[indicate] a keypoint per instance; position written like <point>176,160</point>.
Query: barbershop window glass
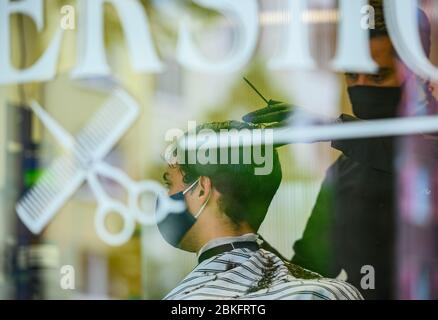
<point>357,203</point>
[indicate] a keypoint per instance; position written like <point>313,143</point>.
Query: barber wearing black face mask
<point>352,225</point>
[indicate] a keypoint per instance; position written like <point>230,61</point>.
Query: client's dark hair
<point>245,196</point>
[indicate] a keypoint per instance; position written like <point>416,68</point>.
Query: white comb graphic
<point>84,162</point>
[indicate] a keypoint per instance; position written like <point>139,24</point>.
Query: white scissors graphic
<point>85,163</point>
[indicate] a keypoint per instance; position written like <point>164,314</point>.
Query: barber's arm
<point>315,250</point>
<point>377,153</point>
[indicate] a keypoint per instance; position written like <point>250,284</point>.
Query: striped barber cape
<point>242,273</point>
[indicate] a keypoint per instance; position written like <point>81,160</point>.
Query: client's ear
<point>205,187</point>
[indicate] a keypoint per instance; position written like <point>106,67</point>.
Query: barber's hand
<point>279,114</point>
<point>275,113</point>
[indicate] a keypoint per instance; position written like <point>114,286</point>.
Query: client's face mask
<point>371,102</point>
<point>174,227</point>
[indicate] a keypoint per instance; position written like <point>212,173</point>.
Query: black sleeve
<point>377,153</point>
<point>315,250</point>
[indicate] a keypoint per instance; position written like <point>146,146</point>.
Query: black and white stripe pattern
<point>245,274</point>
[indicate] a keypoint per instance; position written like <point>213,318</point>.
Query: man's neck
<point>220,227</point>
<point>227,239</point>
